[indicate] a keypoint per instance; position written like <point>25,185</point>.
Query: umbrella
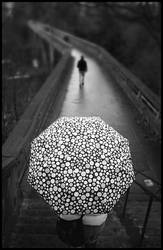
<point>80,165</point>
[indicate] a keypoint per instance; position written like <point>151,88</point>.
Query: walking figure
<point>82,66</point>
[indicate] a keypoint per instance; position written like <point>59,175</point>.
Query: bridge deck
<point>100,96</point>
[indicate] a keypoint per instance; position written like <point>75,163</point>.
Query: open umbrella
<point>80,165</point>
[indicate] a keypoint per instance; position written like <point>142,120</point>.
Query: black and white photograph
<point>81,124</point>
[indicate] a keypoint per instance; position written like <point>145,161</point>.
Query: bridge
<point>116,95</point>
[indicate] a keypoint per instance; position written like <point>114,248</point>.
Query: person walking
<point>82,66</point>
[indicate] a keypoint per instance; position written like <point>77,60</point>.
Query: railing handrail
<point>59,43</point>
<point>142,87</point>
<point>149,177</point>
<point>15,150</point>
<point>151,195</point>
<point>149,190</point>
<point>29,119</point>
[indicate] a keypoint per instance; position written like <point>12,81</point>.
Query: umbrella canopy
<point>80,165</point>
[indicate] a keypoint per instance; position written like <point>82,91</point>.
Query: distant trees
<point>147,14</point>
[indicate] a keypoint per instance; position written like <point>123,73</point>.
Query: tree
<point>147,14</point>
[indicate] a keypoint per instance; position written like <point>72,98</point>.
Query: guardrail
<point>147,102</point>
<point>152,190</point>
<point>15,151</point>
<point>60,44</point>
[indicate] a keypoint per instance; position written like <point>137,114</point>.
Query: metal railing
<point>147,103</point>
<point>153,194</point>
<point>15,150</point>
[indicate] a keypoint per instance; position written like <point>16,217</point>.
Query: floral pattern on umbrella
<point>80,165</point>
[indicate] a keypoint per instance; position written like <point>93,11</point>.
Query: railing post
<point>138,94</point>
<point>146,219</point>
<point>125,204</point>
<point>158,115</point>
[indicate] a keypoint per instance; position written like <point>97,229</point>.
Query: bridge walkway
<point>100,96</point>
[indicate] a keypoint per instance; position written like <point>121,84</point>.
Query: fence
<point>15,151</point>
<point>152,188</point>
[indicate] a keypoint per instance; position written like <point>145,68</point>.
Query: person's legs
<point>93,225</point>
<point>80,78</point>
<point>81,231</point>
<point>70,231</point>
<point>91,234</point>
<point>83,74</point>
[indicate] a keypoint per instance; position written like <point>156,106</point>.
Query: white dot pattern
<point>80,165</point>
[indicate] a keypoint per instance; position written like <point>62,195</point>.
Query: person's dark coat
<point>82,65</point>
